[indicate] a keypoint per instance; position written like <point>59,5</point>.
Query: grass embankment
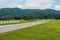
<point>17,21</point>
<point>48,31</point>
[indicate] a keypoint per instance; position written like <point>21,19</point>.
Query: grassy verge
<point>17,21</point>
<point>48,31</point>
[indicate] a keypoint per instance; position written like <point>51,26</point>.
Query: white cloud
<point>57,7</point>
<point>9,3</point>
<point>34,4</point>
<point>37,4</point>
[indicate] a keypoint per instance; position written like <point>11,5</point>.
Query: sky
<point>31,4</point>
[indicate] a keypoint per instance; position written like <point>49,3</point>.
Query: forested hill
<point>17,13</point>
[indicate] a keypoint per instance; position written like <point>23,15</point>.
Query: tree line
<point>17,13</point>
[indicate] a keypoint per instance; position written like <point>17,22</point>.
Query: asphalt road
<point>6,28</point>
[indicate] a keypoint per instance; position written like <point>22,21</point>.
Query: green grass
<point>48,31</point>
<point>17,21</point>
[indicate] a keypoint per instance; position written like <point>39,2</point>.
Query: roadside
<point>10,22</point>
<point>6,28</point>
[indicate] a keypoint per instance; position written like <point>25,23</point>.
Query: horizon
<point>30,9</point>
<point>30,4</point>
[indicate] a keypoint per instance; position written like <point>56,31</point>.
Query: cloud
<point>31,4</point>
<point>8,3</point>
<point>37,4</point>
<point>57,7</point>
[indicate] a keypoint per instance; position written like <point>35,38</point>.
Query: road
<point>6,28</point>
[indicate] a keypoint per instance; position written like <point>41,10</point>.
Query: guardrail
<point>8,22</point>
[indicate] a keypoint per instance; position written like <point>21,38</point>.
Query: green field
<point>17,21</point>
<point>48,31</point>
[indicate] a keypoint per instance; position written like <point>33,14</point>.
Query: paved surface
<point>6,28</point>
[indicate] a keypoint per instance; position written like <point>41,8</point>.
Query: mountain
<point>20,13</point>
